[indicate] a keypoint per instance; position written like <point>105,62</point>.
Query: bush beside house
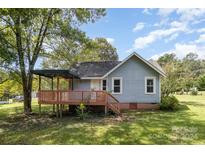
<point>169,103</point>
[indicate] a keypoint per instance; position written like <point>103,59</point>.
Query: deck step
<point>113,103</point>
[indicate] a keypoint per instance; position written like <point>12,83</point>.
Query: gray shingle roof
<point>100,68</point>
<point>155,64</point>
<point>93,69</point>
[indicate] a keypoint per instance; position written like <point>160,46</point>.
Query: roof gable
<point>153,65</point>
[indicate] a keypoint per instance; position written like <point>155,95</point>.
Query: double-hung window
<point>117,85</point>
<point>150,85</point>
<point>104,85</point>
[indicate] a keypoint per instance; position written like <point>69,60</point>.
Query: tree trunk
<point>27,102</point>
<point>27,90</point>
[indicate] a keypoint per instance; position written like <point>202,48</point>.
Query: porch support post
<point>57,113</point>
<point>72,82</point>
<point>39,83</point>
<point>53,95</point>
<point>39,109</point>
<point>57,110</point>
<point>61,112</point>
<point>105,110</point>
<point>57,83</point>
<point>39,88</point>
<point>54,108</point>
<point>58,89</point>
<point>52,83</point>
<point>69,86</point>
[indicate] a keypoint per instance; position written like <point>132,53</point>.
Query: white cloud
<point>198,21</point>
<point>172,37</point>
<point>162,22</point>
<point>155,57</point>
<point>165,12</point>
<point>146,11</point>
<point>177,24</point>
<point>142,42</point>
<point>185,14</point>
<point>190,14</point>
<point>110,40</point>
<point>170,27</point>
<point>201,30</point>
<point>130,50</point>
<point>181,50</point>
<point>138,26</point>
<point>201,39</point>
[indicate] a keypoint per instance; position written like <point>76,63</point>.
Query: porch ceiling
<point>50,73</point>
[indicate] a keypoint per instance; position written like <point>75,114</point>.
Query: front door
<point>95,85</point>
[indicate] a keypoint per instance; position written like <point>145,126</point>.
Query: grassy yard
<point>186,126</point>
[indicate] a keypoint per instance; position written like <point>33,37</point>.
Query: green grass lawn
<point>185,126</point>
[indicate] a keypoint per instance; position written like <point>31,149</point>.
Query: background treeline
<point>183,75</point>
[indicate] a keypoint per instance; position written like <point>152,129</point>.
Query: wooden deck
<point>76,97</point>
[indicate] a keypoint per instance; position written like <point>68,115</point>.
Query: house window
<point>117,85</point>
<point>149,85</point>
<point>104,85</point>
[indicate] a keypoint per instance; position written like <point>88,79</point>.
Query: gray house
<point>134,83</point>
<point>131,81</point>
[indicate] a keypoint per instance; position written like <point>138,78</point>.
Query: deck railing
<point>65,96</point>
<point>76,97</point>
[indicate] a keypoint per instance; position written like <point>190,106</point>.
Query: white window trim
<point>154,85</point>
<point>118,78</point>
<point>102,84</point>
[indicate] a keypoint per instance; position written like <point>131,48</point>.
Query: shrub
<point>194,91</point>
<point>82,111</point>
<point>169,103</point>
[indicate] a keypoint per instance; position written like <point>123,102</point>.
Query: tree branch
<point>3,81</point>
<point>20,52</point>
<point>41,36</point>
<point>11,26</point>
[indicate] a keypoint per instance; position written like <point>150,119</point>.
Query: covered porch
<point>69,96</point>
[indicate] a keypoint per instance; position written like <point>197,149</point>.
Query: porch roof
<point>50,73</point>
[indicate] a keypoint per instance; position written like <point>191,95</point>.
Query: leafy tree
<point>10,88</point>
<point>201,83</point>
<point>67,52</point>
<point>181,74</point>
<point>167,58</point>
<point>170,83</point>
<point>26,33</point>
<point>8,85</point>
<point>104,49</point>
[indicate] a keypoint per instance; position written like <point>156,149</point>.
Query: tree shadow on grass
<point>134,127</point>
<point>158,127</point>
<point>182,107</point>
<point>197,104</point>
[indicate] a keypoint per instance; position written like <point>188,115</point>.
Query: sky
<point>152,32</point>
